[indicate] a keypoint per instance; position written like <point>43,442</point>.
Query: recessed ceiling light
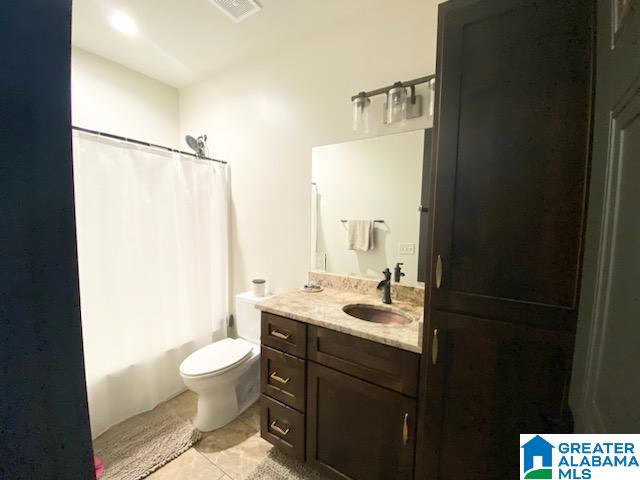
<point>123,23</point>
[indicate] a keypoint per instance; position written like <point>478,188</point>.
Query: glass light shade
<point>361,114</point>
<point>396,104</point>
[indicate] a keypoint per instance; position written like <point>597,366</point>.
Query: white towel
<point>360,235</point>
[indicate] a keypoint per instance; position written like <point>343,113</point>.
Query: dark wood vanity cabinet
<point>511,158</point>
<point>344,404</point>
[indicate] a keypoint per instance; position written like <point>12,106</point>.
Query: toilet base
<point>223,400</point>
<point>215,410</point>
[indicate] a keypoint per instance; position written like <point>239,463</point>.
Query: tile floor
<point>229,453</point>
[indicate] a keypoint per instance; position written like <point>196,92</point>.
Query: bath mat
<point>278,466</point>
<point>140,445</point>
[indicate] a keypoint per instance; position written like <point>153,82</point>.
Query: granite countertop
<point>324,309</point>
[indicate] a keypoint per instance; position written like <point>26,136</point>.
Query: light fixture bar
<point>380,91</point>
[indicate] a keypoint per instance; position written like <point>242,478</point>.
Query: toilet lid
<point>217,356</point>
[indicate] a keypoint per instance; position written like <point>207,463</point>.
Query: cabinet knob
<point>434,347</point>
<point>405,429</point>
<point>438,271</point>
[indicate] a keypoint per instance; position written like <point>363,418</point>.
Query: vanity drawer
<point>282,376</point>
<point>283,427</point>
<point>284,334</point>
<point>374,362</point>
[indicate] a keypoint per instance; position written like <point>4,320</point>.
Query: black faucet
<point>385,286</point>
<point>398,273</point>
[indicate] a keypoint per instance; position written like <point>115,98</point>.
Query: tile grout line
<point>224,474</point>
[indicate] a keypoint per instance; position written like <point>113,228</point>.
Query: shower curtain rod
<point>140,142</point>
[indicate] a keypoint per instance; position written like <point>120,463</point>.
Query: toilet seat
<point>216,358</point>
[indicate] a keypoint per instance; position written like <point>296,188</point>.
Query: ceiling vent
<point>238,10</point>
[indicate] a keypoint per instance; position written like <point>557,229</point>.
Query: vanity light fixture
<point>399,106</point>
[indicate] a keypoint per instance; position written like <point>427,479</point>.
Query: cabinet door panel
<point>491,382</point>
<point>357,430</point>
<point>512,138</point>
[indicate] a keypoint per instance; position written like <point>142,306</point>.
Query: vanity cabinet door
<point>357,430</point>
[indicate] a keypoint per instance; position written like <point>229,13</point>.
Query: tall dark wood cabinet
<point>511,158</point>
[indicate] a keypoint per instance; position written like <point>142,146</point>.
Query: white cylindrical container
<point>259,287</point>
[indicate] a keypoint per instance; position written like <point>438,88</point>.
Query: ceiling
<point>181,41</point>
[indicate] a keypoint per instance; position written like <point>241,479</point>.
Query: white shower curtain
<point>152,231</point>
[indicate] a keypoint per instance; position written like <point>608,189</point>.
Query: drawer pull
<point>279,334</point>
<point>284,381</point>
<point>405,429</point>
<point>274,426</point>
<point>438,271</point>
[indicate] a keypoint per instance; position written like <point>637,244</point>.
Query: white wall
<point>264,117</point>
<point>108,97</point>
<point>373,178</point>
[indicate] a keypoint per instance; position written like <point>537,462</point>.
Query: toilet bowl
<point>226,374</point>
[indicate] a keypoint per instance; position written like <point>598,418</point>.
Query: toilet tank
<point>247,319</point>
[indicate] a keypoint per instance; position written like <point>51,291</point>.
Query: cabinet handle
<point>434,347</point>
<point>405,429</point>
<point>274,426</point>
<point>438,271</point>
<point>284,381</point>
<point>279,334</point>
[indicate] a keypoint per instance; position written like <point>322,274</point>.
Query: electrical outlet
<point>407,248</point>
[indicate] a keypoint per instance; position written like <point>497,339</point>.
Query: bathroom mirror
<point>381,179</point>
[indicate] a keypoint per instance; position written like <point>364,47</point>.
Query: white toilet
<point>226,373</point>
